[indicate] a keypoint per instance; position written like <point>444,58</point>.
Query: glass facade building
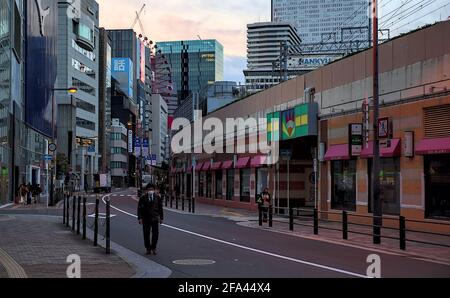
<point>205,62</point>
<point>322,20</point>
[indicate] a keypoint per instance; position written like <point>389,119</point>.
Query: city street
<point>237,251</point>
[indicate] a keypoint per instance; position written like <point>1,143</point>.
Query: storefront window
<point>343,176</point>
<point>245,185</point>
<point>437,186</point>
<point>208,185</point>
<point>230,184</point>
<point>261,180</point>
<point>389,185</point>
<point>218,185</point>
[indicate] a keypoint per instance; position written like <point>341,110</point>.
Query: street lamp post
<point>71,90</point>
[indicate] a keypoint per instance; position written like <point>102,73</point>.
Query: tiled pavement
<point>41,245</point>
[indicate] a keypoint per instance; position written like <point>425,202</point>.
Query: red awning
<point>392,151</point>
<point>206,166</point>
<point>242,162</point>
<point>433,146</point>
<point>337,152</point>
<point>227,165</point>
<point>216,165</point>
<point>258,161</point>
<point>199,166</point>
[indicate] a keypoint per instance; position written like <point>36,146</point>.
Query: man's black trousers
<point>153,228</point>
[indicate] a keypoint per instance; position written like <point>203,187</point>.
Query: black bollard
<point>84,219</point>
<point>316,222</point>
<point>270,216</point>
<point>402,230</point>
<point>97,201</point>
<point>176,202</point>
<point>182,203</point>
<point>260,215</point>
<point>108,227</point>
<point>291,219</point>
<point>344,225</point>
<point>74,200</point>
<point>171,200</point>
<point>79,216</point>
<point>193,205</point>
<point>190,205</point>
<point>64,210</point>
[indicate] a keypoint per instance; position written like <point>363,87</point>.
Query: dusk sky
<point>224,20</point>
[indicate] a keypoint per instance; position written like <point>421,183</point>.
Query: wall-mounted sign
<point>383,128</point>
<point>355,139</point>
<point>137,146</point>
<point>408,144</point>
<point>130,141</point>
<point>310,62</point>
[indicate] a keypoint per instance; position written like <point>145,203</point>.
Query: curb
<point>13,269</point>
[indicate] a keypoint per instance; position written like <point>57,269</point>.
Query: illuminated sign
<point>142,62</point>
<point>122,71</point>
<point>356,138</point>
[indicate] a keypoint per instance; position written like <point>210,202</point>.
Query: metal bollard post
<point>84,218</point>
<point>171,200</point>
<point>74,199</point>
<point>190,205</point>
<point>64,210</point>
<point>165,199</point>
<point>193,205</point>
<point>79,216</point>
<point>270,216</point>
<point>182,203</point>
<point>260,215</point>
<point>291,219</point>
<point>67,212</point>
<point>176,202</point>
<point>402,230</point>
<point>316,222</point>
<point>344,225</point>
<point>97,201</point>
<point>108,227</point>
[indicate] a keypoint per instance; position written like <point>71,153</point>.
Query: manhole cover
<point>6,217</point>
<point>194,262</point>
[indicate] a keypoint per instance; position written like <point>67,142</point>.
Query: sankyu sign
<point>311,61</point>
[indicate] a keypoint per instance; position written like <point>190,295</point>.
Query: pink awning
<point>337,152</point>
<point>199,166</point>
<point>206,166</point>
<point>392,151</point>
<point>216,165</point>
<point>242,162</point>
<point>258,161</point>
<point>433,146</point>
<point>227,165</point>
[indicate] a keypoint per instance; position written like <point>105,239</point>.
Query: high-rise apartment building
<point>194,64</point>
<point>264,42</point>
<point>318,21</point>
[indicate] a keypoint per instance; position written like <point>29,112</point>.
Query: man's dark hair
<point>150,186</point>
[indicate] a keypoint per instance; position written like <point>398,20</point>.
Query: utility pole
<point>376,202</point>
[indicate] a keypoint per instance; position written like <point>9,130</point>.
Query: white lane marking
<point>252,249</point>
<point>101,215</point>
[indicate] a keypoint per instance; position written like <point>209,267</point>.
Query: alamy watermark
<point>74,269</point>
<point>215,136</point>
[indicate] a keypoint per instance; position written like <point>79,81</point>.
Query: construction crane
<point>138,20</point>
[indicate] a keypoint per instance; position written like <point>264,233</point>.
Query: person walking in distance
<point>266,202</point>
<point>150,216</point>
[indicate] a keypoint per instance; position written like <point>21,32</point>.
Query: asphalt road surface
<point>229,250</point>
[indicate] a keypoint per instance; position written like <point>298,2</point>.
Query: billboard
<point>40,71</point>
<point>122,71</point>
<point>142,62</point>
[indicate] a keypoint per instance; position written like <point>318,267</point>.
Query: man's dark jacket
<point>150,210</point>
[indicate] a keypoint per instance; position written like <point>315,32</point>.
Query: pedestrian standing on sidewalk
<point>150,216</point>
<point>266,202</point>
<point>23,191</point>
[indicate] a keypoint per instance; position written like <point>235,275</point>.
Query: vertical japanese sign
<point>356,139</point>
<point>130,141</point>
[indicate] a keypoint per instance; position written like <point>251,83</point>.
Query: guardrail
<point>311,218</point>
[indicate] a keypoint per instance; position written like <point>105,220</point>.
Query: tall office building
<point>104,100</point>
<point>78,66</point>
<point>195,64</point>
<point>27,77</point>
<point>318,21</point>
<point>264,50</point>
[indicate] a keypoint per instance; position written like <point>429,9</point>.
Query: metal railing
<point>311,218</point>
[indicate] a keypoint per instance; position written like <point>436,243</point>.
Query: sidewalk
<point>281,225</point>
<point>40,245</point>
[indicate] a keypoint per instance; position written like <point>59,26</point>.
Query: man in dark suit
<point>150,216</point>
